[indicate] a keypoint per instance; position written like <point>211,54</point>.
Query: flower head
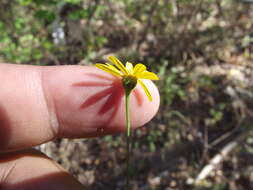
<point>130,75</point>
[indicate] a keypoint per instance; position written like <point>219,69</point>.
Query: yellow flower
<point>130,75</point>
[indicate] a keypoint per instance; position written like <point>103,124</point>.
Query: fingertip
<point>142,110</point>
<point>91,103</point>
<point>148,109</point>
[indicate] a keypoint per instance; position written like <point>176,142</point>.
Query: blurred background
<point>201,137</point>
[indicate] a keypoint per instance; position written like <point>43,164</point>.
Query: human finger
<point>30,169</point>
<point>39,104</point>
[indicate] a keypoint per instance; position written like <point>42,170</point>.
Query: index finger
<point>39,104</point>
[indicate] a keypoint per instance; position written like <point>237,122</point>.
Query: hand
<point>39,104</point>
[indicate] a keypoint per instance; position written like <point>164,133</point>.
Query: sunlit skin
<point>39,104</point>
<point>112,91</point>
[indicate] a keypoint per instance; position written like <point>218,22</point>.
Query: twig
<point>218,158</point>
<point>215,161</point>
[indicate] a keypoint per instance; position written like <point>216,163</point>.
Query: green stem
<point>128,135</point>
<point>128,125</point>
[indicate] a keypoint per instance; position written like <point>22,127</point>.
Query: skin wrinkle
<point>6,172</point>
<point>36,92</point>
<point>50,103</point>
<point>24,105</point>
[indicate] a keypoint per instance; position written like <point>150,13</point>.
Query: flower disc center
<point>129,82</point>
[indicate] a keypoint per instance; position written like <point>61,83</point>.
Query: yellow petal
<point>129,68</point>
<point>118,63</point>
<point>139,68</point>
<point>108,69</point>
<point>145,90</point>
<point>147,75</point>
<point>113,68</point>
